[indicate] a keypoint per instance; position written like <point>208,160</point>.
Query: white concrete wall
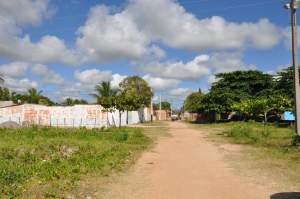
<point>90,116</point>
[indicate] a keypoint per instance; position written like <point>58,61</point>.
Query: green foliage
<point>193,102</point>
<point>106,96</point>
<point>285,82</point>
<point>253,107</point>
<point>164,106</point>
<point>71,102</point>
<point>4,94</point>
<point>135,93</point>
<point>44,159</point>
<point>258,134</point>
<point>33,96</point>
<point>296,140</point>
<point>250,92</point>
<point>243,84</point>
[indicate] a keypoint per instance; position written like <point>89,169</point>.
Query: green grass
<point>268,149</point>
<point>52,160</point>
<point>261,135</point>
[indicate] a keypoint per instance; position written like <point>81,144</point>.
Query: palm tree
<point>33,96</point>
<point>105,96</point>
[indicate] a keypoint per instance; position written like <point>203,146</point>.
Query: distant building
<point>162,115</point>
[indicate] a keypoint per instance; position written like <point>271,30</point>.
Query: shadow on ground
<point>286,195</point>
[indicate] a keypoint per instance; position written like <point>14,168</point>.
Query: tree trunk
<point>120,119</point>
<point>265,117</point>
<point>127,122</point>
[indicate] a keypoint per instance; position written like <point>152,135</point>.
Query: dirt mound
<point>10,125</point>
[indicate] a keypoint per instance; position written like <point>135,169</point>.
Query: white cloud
<point>20,85</point>
<point>134,32</point>
<point>92,76</point>
<point>107,36</point>
<point>131,32</point>
<point>180,92</point>
<point>169,22</point>
<point>160,84</point>
<point>13,69</point>
<point>212,79</point>
<point>192,70</point>
<point>117,79</point>
<point>15,14</point>
<point>226,62</point>
<point>25,11</point>
<point>48,76</point>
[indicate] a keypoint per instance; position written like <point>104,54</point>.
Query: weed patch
<point>53,160</point>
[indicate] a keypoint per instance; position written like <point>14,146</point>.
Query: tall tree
<point>285,82</point>
<point>236,86</point>
<point>33,96</point>
<point>135,93</point>
<point>5,94</point>
<point>164,106</point>
<point>106,97</point>
<point>193,102</point>
<point>244,84</point>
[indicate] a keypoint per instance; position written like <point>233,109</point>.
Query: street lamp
<point>293,5</point>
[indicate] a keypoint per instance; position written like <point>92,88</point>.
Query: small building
<point>162,115</point>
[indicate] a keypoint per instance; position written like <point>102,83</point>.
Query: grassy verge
<point>46,162</point>
<point>267,149</point>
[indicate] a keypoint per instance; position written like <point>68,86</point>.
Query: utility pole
<point>160,107</point>
<point>151,107</point>
<point>293,7</point>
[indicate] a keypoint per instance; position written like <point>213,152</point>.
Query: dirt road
<point>183,166</point>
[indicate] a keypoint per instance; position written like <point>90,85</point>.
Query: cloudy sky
<point>65,47</point>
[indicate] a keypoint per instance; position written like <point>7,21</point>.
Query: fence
<point>90,116</point>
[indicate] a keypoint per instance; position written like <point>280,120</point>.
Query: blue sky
<point>64,47</point>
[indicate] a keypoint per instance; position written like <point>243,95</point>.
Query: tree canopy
<point>193,102</point>
<point>250,92</point>
<point>135,93</point>
<point>106,96</point>
<point>164,106</point>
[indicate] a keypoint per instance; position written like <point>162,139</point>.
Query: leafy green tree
<point>68,102</point>
<point>194,102</point>
<point>233,87</point>
<point>135,93</point>
<point>18,98</point>
<point>71,102</point>
<point>243,84</point>
<point>33,96</point>
<point>251,108</point>
<point>164,106</point>
<point>285,82</point>
<point>5,94</point>
<point>105,96</point>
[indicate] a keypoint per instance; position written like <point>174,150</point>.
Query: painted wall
<point>90,116</point>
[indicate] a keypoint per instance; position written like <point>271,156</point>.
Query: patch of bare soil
<point>183,166</point>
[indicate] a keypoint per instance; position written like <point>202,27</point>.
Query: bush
<point>251,133</point>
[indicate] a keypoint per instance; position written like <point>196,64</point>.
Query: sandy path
<point>184,166</point>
